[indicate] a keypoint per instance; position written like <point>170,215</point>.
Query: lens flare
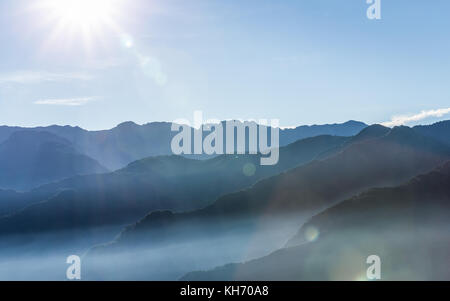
<point>311,233</point>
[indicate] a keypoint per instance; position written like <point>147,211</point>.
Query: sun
<point>90,22</point>
<point>82,18</point>
<point>84,14</point>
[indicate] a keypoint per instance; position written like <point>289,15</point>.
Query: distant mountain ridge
<point>128,142</point>
<point>439,131</point>
<point>29,159</point>
<point>347,129</point>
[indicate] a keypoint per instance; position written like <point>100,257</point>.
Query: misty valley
<point>337,195</point>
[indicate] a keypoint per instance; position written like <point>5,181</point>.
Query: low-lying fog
<point>407,253</point>
<point>44,258</point>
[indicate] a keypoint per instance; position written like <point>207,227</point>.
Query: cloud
<point>33,77</point>
<point>403,119</point>
<point>66,101</point>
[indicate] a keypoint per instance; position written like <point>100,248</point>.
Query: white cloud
<point>65,101</point>
<point>404,119</point>
<point>32,77</point>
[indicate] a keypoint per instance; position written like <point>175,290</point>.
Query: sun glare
<point>92,21</point>
<point>83,13</point>
<point>86,18</point>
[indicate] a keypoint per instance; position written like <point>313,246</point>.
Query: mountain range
<point>178,207</point>
<point>166,182</point>
<point>128,142</point>
<point>377,156</point>
<point>30,159</point>
<point>405,226</point>
<point>389,159</point>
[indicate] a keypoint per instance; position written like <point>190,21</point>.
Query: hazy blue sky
<point>302,61</point>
